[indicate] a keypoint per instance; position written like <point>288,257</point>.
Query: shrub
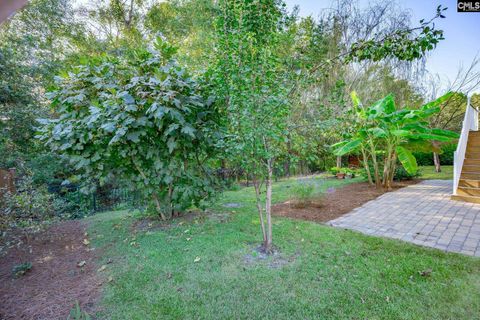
<point>27,207</point>
<point>334,170</point>
<point>302,193</point>
<point>139,118</point>
<point>402,174</point>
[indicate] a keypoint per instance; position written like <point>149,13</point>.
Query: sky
<point>461,32</point>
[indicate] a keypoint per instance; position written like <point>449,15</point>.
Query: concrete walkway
<point>422,214</point>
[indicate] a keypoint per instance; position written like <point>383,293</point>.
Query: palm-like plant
<point>383,130</point>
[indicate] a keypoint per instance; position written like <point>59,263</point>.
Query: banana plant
<point>383,130</point>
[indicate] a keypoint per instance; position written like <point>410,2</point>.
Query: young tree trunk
<point>156,200</point>
<point>256,185</point>
<point>366,166</point>
<point>158,206</point>
<point>436,161</point>
<point>268,206</point>
<point>339,161</point>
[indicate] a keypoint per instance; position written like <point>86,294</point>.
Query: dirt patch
<point>55,282</point>
<point>335,203</point>
<point>273,260</point>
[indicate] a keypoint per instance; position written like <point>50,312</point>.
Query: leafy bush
<point>27,207</point>
<point>334,170</point>
<point>446,156</point>
<point>139,118</point>
<point>302,192</point>
<point>402,174</point>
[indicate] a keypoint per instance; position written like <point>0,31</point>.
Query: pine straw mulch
<point>55,282</point>
<point>335,203</point>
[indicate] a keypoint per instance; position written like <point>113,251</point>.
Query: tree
<point>140,118</point>
<point>249,84</point>
<point>29,58</point>
<point>382,129</point>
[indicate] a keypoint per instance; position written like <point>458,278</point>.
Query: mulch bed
<point>55,282</point>
<point>334,203</point>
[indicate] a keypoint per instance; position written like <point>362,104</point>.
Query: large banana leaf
<point>407,159</point>
<point>348,147</point>
<point>377,132</point>
<point>431,136</point>
<point>437,102</point>
<point>445,133</point>
<point>382,107</point>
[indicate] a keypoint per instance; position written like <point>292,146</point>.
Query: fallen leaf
<point>197,259</point>
<point>169,275</point>
<point>188,239</point>
<point>387,299</point>
<point>110,279</point>
<point>86,242</point>
<point>102,268</point>
<point>186,231</point>
<point>81,263</point>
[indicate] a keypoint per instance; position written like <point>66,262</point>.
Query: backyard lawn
<point>428,172</point>
<point>206,266</point>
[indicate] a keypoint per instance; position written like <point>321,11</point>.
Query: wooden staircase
<point>469,184</point>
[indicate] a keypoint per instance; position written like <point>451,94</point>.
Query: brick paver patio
<point>422,214</point>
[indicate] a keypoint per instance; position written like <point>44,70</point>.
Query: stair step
<point>471,183</point>
<point>470,176</point>
<point>466,198</point>
<point>469,162</point>
<point>471,168</point>
<point>472,155</point>
<point>467,191</point>
<point>474,148</point>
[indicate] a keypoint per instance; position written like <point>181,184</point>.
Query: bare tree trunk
<point>339,161</point>
<point>436,161</point>
<point>259,208</point>
<point>367,167</point>
<point>268,206</point>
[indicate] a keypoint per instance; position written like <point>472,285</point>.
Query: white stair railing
<point>470,123</point>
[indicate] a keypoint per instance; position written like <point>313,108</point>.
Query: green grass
<point>428,172</point>
<point>320,273</point>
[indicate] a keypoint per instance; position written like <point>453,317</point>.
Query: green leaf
<point>383,106</point>
<point>438,101</point>
<point>348,147</point>
<point>356,101</point>
<point>407,159</point>
<point>171,143</point>
<point>446,133</point>
<point>377,132</point>
<point>401,133</point>
<point>429,136</point>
